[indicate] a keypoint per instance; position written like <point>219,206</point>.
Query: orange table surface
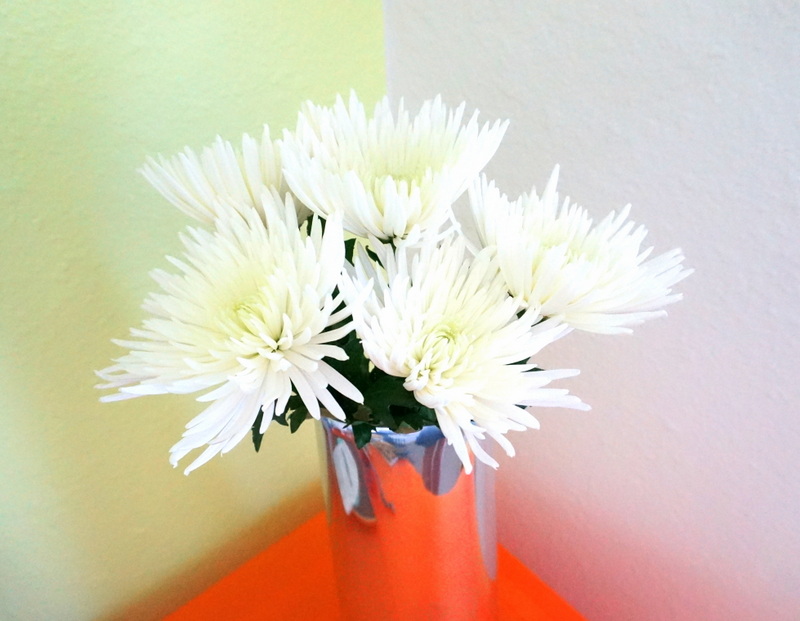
<point>292,580</point>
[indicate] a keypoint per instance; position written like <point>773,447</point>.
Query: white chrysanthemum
<point>594,278</point>
<point>392,177</point>
<point>248,315</point>
<point>197,184</point>
<point>446,325</point>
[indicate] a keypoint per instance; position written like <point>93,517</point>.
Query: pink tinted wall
<point>677,496</point>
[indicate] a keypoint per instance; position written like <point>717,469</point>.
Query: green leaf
<point>384,417</point>
<point>387,403</point>
<point>294,403</point>
<point>297,418</point>
<point>362,413</point>
<point>257,435</point>
<point>362,432</point>
<point>371,254</point>
<point>415,417</point>
<point>383,392</point>
<point>356,367</point>
<point>349,249</point>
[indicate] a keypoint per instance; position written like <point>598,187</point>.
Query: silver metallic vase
<point>413,535</point>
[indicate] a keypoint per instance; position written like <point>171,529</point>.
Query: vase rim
<point>432,432</point>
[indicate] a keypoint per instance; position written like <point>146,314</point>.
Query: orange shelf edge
<point>292,580</point>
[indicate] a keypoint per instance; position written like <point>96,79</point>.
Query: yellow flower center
<point>437,360</point>
<point>255,319</point>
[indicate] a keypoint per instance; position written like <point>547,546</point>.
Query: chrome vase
<point>413,536</point>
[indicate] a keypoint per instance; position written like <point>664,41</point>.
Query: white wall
<point>677,496</point>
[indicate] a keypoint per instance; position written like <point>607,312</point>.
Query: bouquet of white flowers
<point>331,277</point>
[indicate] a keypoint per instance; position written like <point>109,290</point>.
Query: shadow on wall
<point>184,586</point>
<point>627,567</point>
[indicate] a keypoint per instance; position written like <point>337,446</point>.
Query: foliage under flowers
<point>386,403</point>
<point>372,309</point>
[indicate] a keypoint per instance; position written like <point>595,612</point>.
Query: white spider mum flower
<point>249,316</point>
<point>196,184</point>
<point>594,278</point>
<point>392,177</point>
<point>446,324</point>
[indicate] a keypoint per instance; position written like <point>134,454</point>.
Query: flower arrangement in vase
<point>329,276</point>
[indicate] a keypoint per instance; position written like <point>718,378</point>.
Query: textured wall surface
<point>94,523</point>
<point>677,497</point>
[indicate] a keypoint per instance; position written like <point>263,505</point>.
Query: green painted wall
<point>94,523</point>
